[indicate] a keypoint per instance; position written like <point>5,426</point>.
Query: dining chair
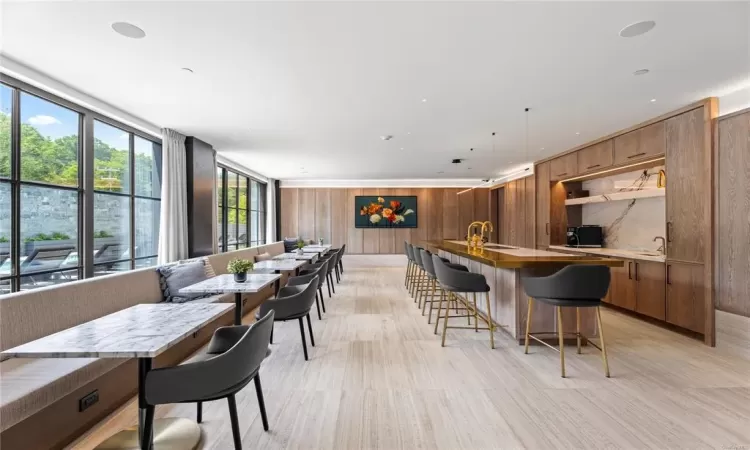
<point>305,277</point>
<point>232,360</point>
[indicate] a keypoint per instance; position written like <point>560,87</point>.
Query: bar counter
<point>501,265</point>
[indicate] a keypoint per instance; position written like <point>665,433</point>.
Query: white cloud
<point>42,120</point>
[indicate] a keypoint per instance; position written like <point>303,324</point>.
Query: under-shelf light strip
<point>612,170</point>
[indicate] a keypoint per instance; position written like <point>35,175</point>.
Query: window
<point>42,186</point>
<point>241,220</point>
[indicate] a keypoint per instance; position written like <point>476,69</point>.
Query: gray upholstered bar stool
<point>454,282</point>
<point>433,287</point>
<point>409,258</point>
<point>412,268</point>
<point>575,286</point>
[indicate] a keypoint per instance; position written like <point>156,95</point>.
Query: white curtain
<point>173,233</point>
<point>271,211</point>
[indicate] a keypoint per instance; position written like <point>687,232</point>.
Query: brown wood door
<point>651,289</point>
<point>622,288</point>
<point>640,144</point>
<point>685,295</point>
<point>595,157</point>
<point>563,167</point>
<point>542,204</point>
<point>688,186</point>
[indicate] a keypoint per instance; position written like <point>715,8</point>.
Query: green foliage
<point>103,234</point>
<point>56,236</point>
<point>300,244</point>
<point>239,265</point>
<point>3,240</point>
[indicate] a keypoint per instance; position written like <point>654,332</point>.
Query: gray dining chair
<point>331,256</point>
<point>322,277</point>
<point>233,358</point>
<point>304,277</point>
<point>341,258</point>
<point>574,286</point>
<point>293,302</point>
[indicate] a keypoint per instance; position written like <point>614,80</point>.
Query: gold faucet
<point>485,225</point>
<point>472,240</point>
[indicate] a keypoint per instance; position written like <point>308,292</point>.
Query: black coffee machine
<point>585,236</point>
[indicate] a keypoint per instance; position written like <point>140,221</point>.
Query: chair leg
<point>445,323</point>
<point>309,328</point>
<point>528,325</point>
<point>199,414</point>
<point>328,284</point>
<point>322,301</point>
<point>476,314</point>
<point>341,266</point>
<point>272,333</point>
<point>302,333</point>
<point>261,402</point>
<point>601,337</point>
<point>432,300</point>
<point>333,286</point>
<point>235,422</point>
<point>440,306</point>
<point>406,274</point>
<point>578,330</point>
<point>317,305</point>
<point>562,341</point>
<point>338,276</point>
<point>147,434</point>
<point>490,323</point>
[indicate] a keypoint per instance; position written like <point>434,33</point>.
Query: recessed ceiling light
<point>408,132</point>
<point>541,148</point>
<point>402,148</point>
<point>637,29</point>
<point>187,69</point>
<point>424,100</point>
<point>641,72</point>
<point>577,133</point>
<point>128,30</point>
<point>469,168</point>
<point>441,172</point>
<point>653,100</point>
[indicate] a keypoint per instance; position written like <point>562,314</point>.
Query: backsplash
<point>627,224</point>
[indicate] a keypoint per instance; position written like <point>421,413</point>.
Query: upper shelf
<point>615,196</point>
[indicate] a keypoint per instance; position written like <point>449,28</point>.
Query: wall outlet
<point>88,400</point>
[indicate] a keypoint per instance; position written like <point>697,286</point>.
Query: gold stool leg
<point>601,337</point>
<point>562,341</point>
<point>420,289</point>
<point>528,325</point>
<point>490,323</point>
<point>432,300</point>
<point>476,317</point>
<point>440,306</point>
<point>445,324</point>
<point>406,274</point>
<point>578,329</point>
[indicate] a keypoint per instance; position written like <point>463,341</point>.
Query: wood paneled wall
<point>329,213</point>
<point>733,211</point>
<point>515,212</point>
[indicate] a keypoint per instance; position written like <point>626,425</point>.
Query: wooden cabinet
<point>686,296</point>
<point>565,166</point>
<point>542,174</point>
<point>596,157</point>
<point>651,293</point>
<point>688,169</point>
<point>622,287</point>
<point>639,144</point>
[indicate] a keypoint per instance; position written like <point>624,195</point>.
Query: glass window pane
<point>232,189</point>
<point>254,195</point>
<point>111,229</point>
<point>242,227</point>
<point>4,231</point>
<point>6,105</point>
<point>219,186</point>
<point>49,230</point>
<point>146,262</point>
<point>49,142</point>
<point>146,227</point>
<point>111,158</point>
<point>48,279</point>
<point>147,167</point>
<point>219,225</point>
<point>254,226</point>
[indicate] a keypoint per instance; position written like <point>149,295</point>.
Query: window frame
<point>222,204</point>
<point>85,189</point>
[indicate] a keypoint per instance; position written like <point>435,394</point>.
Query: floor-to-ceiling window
<point>241,220</point>
<point>46,196</point>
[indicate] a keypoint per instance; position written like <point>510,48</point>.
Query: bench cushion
<point>27,385</point>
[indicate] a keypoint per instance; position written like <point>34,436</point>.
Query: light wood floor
<point>379,379</point>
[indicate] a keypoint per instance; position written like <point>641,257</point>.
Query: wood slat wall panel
<point>306,211</point>
<point>387,236</point>
<point>402,234</point>
<point>354,236</point>
<point>322,215</point>
<point>435,211</point>
<point>371,238</point>
<point>465,212</point>
<point>481,204</point>
<point>423,204</point>
<point>289,200</point>
<point>530,221</point>
<point>450,214</point>
<point>339,216</point>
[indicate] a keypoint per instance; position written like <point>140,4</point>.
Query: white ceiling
<point>282,86</point>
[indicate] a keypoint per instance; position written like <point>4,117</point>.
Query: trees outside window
<point>238,222</point>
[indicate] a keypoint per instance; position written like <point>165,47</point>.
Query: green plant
<point>3,240</point>
<point>56,236</point>
<point>300,244</point>
<point>239,265</point>
<point>103,234</point>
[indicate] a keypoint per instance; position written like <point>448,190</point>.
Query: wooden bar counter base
<point>502,265</point>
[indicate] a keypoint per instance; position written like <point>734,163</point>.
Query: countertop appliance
<point>585,236</point>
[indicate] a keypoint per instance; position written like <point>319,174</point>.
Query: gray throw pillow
<point>175,277</point>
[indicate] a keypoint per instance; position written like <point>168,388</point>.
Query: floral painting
<point>385,212</point>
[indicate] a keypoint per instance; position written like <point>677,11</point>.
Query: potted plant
<point>320,241</point>
<point>239,268</point>
<point>300,245</point>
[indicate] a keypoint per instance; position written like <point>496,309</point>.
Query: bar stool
<point>454,281</point>
<point>409,263</point>
<point>429,269</point>
<point>574,286</point>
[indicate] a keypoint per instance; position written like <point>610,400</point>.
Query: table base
<point>169,434</point>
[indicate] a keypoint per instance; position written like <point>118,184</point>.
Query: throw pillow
<point>175,277</point>
<point>290,244</point>
<point>210,272</point>
<point>263,257</point>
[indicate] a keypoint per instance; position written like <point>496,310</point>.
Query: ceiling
<point>305,90</point>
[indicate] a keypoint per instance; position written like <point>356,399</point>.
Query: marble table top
<point>303,256</point>
<point>279,264</point>
<point>222,284</point>
<point>144,331</point>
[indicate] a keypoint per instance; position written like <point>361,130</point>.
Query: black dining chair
<point>331,256</point>
<point>232,360</point>
<point>304,277</point>
<point>293,302</point>
<point>341,259</point>
<point>322,277</point>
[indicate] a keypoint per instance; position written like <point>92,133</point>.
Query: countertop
<point>517,257</point>
<point>614,252</point>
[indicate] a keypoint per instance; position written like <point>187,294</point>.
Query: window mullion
<point>15,190</point>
